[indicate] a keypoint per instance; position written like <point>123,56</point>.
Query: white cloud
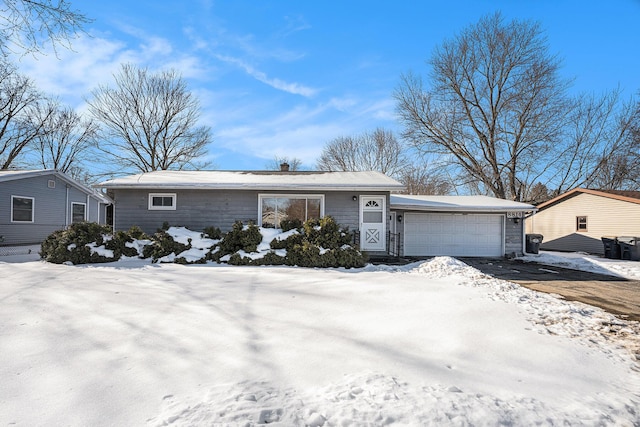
<point>293,88</point>
<point>294,25</point>
<point>73,74</point>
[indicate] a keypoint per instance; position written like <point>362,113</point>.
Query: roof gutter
<point>259,187</point>
<point>459,209</point>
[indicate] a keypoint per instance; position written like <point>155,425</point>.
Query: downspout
<point>87,217</point>
<point>524,235</point>
<point>66,208</point>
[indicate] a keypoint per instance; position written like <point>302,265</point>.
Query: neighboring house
<point>199,199</point>
<point>35,203</point>
<point>577,220</point>
<point>469,226</point>
<point>362,201</point>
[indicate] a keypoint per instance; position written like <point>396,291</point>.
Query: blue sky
<point>282,78</point>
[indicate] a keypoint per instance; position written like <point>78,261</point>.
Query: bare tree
<point>600,151</point>
<point>19,99</point>
<point>295,164</point>
<point>424,179</point>
<point>65,138</point>
<point>378,150</point>
<point>499,111</point>
<point>150,121</point>
<point>27,25</point>
<point>496,105</point>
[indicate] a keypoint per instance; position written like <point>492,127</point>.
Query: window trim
<point>262,196</point>
<point>84,216</point>
<point>586,222</point>
<point>174,200</point>
<point>33,209</point>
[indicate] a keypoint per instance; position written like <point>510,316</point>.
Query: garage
<point>431,234</point>
<point>465,226</point>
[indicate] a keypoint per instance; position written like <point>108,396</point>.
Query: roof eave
<point>576,191</point>
<point>31,174</point>
<point>257,187</point>
<point>462,209</point>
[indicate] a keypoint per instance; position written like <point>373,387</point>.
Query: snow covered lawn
<point>433,343</point>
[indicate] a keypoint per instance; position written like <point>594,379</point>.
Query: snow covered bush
<point>163,244</point>
<point>321,243</point>
<point>290,224</point>
<point>240,238</point>
<point>89,242</point>
<point>326,233</point>
<point>213,233</point>
<point>316,243</point>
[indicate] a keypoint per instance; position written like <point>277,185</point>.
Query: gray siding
<point>49,208</point>
<point>605,217</point>
<point>513,241</point>
<point>197,209</point>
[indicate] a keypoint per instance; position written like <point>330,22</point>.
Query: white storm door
<point>372,223</point>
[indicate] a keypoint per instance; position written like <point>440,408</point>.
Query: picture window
<point>276,208</point>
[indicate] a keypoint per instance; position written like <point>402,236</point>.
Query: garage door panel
<point>428,234</point>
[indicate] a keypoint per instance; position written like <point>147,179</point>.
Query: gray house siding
<point>513,241</point>
<point>52,203</point>
<point>48,205</point>
<point>197,209</point>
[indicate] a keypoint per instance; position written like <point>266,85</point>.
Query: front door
<point>372,223</point>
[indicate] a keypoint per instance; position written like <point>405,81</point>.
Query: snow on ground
<point>431,343</point>
<point>587,262</point>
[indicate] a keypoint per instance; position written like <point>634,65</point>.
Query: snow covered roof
<point>11,175</point>
<point>457,203</point>
<point>257,180</point>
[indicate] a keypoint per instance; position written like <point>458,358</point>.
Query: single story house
<point>36,203</point>
<point>577,220</point>
<point>362,201</point>
<point>467,226</point>
<point>199,199</point>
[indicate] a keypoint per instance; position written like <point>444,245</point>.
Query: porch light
<point>355,198</point>
<point>399,218</point>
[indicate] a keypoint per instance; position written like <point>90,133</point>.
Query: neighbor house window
<point>78,211</point>
<point>276,208</point>
<point>162,201</point>
<point>581,223</point>
<point>22,209</point>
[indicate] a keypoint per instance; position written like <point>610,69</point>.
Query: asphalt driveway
<point>614,294</point>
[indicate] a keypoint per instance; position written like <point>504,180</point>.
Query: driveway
<point>614,294</point>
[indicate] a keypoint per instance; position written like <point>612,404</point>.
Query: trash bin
<point>629,248</point>
<point>533,242</point>
<point>611,247</point>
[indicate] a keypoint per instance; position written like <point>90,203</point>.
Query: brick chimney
<point>284,167</point>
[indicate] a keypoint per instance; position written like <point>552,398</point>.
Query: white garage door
<point>431,234</point>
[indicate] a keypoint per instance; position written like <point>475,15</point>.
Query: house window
<point>581,223</point>
<point>276,208</point>
<point>22,209</point>
<point>78,212</point>
<point>162,201</point>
